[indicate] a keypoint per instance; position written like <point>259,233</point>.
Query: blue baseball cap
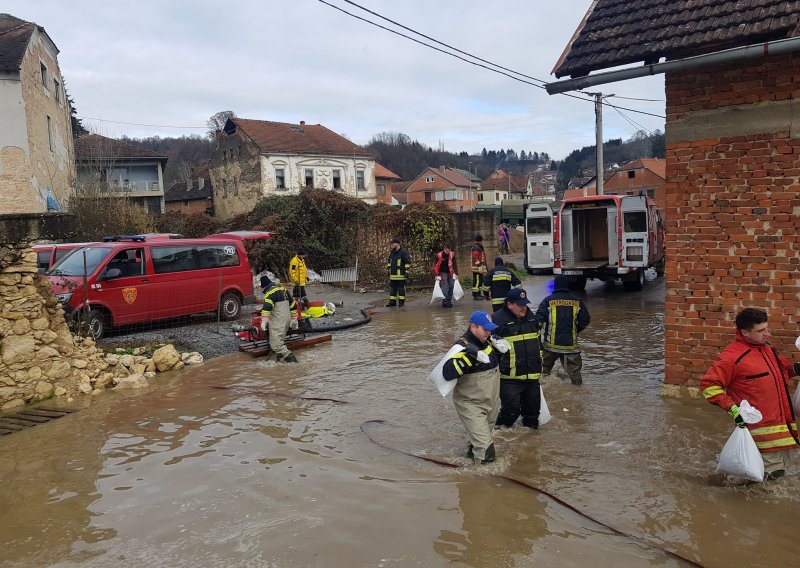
<point>484,320</point>
<point>518,296</point>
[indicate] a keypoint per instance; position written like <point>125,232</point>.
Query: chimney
<point>302,123</point>
<point>201,183</point>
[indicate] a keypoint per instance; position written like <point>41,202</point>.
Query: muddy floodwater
<point>187,475</point>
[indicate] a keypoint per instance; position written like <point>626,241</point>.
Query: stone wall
<point>733,208</point>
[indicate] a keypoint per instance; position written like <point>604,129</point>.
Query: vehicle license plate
<point>572,272</point>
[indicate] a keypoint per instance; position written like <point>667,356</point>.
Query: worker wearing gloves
<point>562,316</point>
<point>398,264</point>
<point>750,369</point>
<point>298,274</point>
<point>476,395</point>
<point>444,268</point>
<point>521,366</point>
<point>497,283</point>
<point>278,315</point>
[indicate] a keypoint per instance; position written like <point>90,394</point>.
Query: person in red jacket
<point>444,268</point>
<point>751,369</point>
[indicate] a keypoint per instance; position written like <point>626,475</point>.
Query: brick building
<point>194,195</point>
<point>645,175</point>
<point>445,185</point>
<point>36,152</point>
<point>733,158</point>
<point>384,181</point>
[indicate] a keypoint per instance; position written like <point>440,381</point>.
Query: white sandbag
<point>544,411</point>
<point>458,291</point>
<point>437,377</point>
<point>740,456</point>
<point>312,276</point>
<point>437,292</point>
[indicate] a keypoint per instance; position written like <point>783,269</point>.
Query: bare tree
<point>217,121</point>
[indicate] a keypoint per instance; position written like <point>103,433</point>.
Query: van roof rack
<point>133,238</point>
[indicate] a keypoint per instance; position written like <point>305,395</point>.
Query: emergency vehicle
<point>539,224</point>
<point>608,237</point>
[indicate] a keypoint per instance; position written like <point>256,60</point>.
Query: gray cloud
<point>179,62</point>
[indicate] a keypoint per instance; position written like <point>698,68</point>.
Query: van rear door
<point>538,236</point>
<point>635,242</point>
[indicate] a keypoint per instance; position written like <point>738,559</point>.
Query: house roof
<point>655,165</point>
<point>383,172</point>
<point>618,32</point>
<point>400,191</point>
<point>283,137</point>
<point>498,180</point>
<point>94,147</point>
<point>180,192</point>
<point>467,175</point>
<point>14,37</point>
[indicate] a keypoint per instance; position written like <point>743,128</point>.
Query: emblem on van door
<point>129,294</point>
<point>230,251</point>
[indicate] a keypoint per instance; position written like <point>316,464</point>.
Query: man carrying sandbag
<point>444,268</point>
<point>751,369</point>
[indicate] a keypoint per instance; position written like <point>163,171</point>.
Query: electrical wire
<point>137,124</point>
<point>500,69</point>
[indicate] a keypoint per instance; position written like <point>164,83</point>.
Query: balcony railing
<point>133,185</point>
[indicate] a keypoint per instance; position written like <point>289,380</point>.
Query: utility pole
<point>598,135</point>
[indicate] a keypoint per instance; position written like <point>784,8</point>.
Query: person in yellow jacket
<point>299,276</point>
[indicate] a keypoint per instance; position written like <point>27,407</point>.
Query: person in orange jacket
<point>751,369</point>
<point>444,268</point>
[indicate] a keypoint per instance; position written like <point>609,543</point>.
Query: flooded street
<point>187,475</point>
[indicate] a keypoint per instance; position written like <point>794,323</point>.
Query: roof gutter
<point>777,47</point>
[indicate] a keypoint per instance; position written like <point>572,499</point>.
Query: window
<point>43,260</point>
<point>280,180</point>
<point>236,186</point>
<point>216,256</point>
<point>635,222</point>
<point>224,188</point>
<point>129,262</point>
<point>172,259</point>
<point>651,193</point>
<point>57,90</point>
<point>360,180</point>
<point>73,264</point>
<point>50,133</point>
<point>429,179</point>
<point>631,174</point>
<point>337,179</point>
<point>381,189</point>
<point>239,148</point>
<point>309,175</point>
<point>539,225</point>
<point>496,196</point>
<point>480,197</point>
<point>44,74</point>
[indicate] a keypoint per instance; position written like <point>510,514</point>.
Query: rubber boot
<point>489,456</point>
<point>290,358</point>
<point>470,454</point>
<point>401,303</point>
<point>391,304</point>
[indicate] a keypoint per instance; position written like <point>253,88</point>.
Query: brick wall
<point>733,208</point>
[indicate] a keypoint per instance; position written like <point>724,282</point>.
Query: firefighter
<point>445,271</point>
<point>562,316</point>
<point>497,283</point>
<point>478,257</point>
<point>398,264</point>
<point>476,395</point>
<point>521,366</point>
<point>278,315</point>
<point>299,276</point>
<point>751,369</point>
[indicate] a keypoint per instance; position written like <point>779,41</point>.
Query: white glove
<point>294,324</point>
<point>483,357</point>
<point>264,323</point>
<point>500,344</point>
<point>438,278</point>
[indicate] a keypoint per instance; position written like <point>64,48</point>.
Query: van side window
<point>172,259</point>
<point>129,262</point>
<point>43,259</point>
<point>61,253</point>
<point>216,256</point>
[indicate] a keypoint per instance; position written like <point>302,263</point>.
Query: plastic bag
<point>458,291</point>
<point>312,276</point>
<point>437,377</point>
<point>749,414</point>
<point>544,411</point>
<point>437,292</point>
<point>740,456</point>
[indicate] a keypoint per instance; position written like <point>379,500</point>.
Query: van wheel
<point>635,283</point>
<point>577,283</point>
<point>97,324</point>
<point>230,306</point>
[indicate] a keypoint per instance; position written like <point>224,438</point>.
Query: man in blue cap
<point>476,395</point>
<point>521,366</point>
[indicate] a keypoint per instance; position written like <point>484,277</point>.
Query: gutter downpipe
<point>777,47</point>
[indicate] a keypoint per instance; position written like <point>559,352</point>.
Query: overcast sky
<point>177,62</point>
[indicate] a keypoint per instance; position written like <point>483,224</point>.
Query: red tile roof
<point>617,32</point>
<point>96,147</point>
<point>282,137</point>
<point>383,172</point>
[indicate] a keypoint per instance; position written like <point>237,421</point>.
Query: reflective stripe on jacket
<point>297,271</point>
<point>498,283</point>
<point>524,359</point>
<point>756,373</point>
<point>398,264</point>
<point>562,317</point>
<point>478,257</point>
<point>462,363</point>
<point>276,293</point>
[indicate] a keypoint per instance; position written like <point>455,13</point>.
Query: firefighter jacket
<point>499,281</point>
<point>562,317</point>
<point>297,271</point>
<point>478,257</point>
<point>462,363</point>
<point>445,264</point>
<point>524,359</point>
<point>275,293</point>
<point>398,264</point>
<point>756,373</point>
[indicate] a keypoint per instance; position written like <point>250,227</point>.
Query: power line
<point>501,70</point>
<point>137,124</point>
<point>635,99</point>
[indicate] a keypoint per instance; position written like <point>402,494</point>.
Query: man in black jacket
<point>521,366</point>
<point>398,264</point>
<point>562,316</point>
<point>498,282</point>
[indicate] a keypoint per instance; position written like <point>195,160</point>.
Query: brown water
<point>185,475</point>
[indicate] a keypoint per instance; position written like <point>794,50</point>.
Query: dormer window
<point>429,179</point>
